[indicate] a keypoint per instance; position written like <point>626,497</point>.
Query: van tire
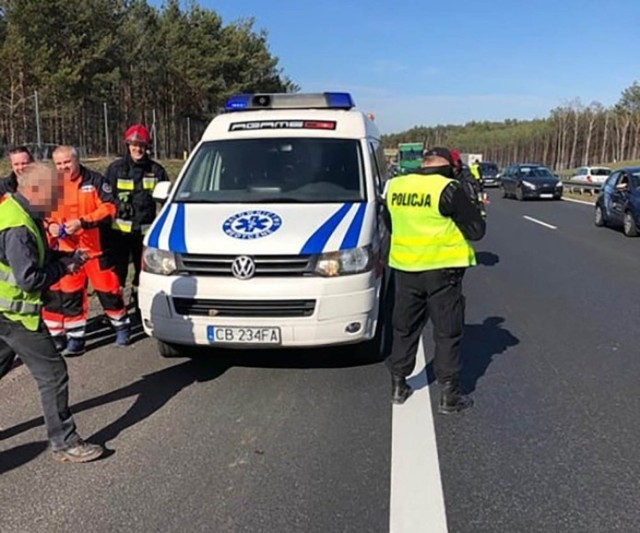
<point>169,350</point>
<point>372,351</point>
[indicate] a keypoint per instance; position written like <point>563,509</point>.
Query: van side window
<point>376,169</point>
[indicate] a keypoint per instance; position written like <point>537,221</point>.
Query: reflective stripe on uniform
<point>126,226</point>
<point>122,225</point>
<point>7,277</point>
<point>149,183</point>
<point>79,323</point>
<point>124,184</point>
<point>19,307</point>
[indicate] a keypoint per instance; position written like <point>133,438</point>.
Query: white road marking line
<point>417,500</point>
<point>583,202</point>
<point>536,221</point>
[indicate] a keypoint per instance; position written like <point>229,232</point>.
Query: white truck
<point>469,159</point>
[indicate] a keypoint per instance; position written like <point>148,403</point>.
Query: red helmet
<point>455,155</point>
<point>137,133</point>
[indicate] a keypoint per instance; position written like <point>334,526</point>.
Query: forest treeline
<point>83,60</point>
<point>572,135</point>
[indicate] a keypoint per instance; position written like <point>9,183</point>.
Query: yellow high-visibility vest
<point>15,304</point>
<point>421,238</point>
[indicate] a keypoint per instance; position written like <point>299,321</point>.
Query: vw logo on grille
<point>243,267</point>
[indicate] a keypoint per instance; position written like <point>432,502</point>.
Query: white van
<point>271,235</point>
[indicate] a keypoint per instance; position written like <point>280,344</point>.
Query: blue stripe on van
<point>177,243</point>
<point>319,239</point>
<point>352,236</point>
<point>154,236</point>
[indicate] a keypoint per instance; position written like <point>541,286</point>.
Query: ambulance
<point>272,235</point>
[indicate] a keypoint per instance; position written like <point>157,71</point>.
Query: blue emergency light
<point>250,102</point>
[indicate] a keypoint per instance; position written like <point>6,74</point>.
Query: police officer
<point>431,220</point>
<point>19,157</point>
<point>469,183</point>
<point>26,269</point>
<point>476,171</point>
<point>133,179</point>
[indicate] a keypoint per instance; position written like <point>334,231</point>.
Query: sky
<point>416,62</point>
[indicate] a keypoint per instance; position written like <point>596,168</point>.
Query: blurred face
<point>18,162</point>
<point>136,150</point>
<point>40,188</point>
<point>66,164</point>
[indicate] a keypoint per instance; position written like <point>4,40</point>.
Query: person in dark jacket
<point>472,187</point>
<point>27,267</point>
<point>19,157</point>
<point>133,178</point>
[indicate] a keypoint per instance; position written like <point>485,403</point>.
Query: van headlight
<point>158,261</point>
<point>345,262</point>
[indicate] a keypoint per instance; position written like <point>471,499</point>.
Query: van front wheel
<point>169,350</point>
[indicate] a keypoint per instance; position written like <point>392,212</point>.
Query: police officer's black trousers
<point>435,294</point>
<point>49,369</point>
<point>128,246</point>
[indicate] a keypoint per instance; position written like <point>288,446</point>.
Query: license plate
<point>240,335</point>
<point>546,195</point>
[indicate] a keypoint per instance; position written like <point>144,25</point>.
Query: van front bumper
<point>345,309</point>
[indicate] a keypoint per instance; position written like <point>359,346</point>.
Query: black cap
<point>439,152</point>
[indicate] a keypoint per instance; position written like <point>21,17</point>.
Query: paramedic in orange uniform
<point>81,220</point>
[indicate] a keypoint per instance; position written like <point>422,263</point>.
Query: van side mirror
<point>161,191</point>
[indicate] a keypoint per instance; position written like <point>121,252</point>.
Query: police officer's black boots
<point>400,390</point>
<point>452,400</point>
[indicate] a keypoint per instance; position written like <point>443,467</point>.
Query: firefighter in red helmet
<point>133,178</point>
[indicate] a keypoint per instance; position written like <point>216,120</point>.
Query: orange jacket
<point>87,197</point>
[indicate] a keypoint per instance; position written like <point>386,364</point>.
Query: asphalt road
<point>302,440</point>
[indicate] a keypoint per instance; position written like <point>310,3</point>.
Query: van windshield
<point>275,170</point>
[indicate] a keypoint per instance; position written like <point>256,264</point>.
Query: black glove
<point>74,262</point>
<point>124,206</point>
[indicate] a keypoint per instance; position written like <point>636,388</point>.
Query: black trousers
<point>128,246</point>
<point>49,369</point>
<point>435,294</point>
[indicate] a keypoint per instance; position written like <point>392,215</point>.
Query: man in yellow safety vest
<point>26,269</point>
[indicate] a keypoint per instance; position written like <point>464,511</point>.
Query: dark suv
<point>618,203</point>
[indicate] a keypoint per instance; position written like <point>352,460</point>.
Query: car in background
<point>489,172</point>
<point>529,181</point>
<point>595,175</point>
<point>618,204</point>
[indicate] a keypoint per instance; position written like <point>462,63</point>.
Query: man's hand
<point>54,230</point>
<point>72,226</point>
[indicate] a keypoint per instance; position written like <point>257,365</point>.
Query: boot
<point>123,335</point>
<point>452,400</point>
<point>82,452</point>
<point>400,390</point>
<point>74,348</point>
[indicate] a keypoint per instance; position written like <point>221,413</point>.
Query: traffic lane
<point>575,223</point>
<point>551,357</point>
<point>263,441</point>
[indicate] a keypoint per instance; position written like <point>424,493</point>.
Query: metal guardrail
<point>590,189</point>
